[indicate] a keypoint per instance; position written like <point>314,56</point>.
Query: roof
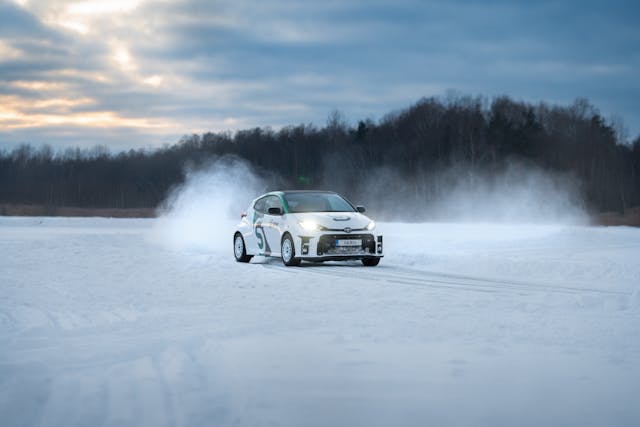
<point>284,192</point>
<point>307,191</point>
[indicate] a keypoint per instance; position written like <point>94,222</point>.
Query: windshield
<point>317,202</point>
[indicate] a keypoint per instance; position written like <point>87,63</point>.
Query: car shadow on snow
<point>276,261</point>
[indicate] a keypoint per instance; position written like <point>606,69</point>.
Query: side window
<point>260,205</point>
<point>272,202</point>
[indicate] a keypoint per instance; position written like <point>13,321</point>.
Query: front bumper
<point>325,246</point>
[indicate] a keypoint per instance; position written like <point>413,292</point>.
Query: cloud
<point>215,65</point>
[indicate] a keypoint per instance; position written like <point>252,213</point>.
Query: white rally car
<point>306,225</point>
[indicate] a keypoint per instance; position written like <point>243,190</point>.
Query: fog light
<point>304,245</point>
<point>379,249</point>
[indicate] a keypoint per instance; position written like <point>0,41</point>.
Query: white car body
<point>321,226</point>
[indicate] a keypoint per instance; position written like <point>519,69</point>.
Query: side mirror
<point>275,211</point>
<point>361,209</point>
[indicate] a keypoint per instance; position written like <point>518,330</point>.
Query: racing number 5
<point>262,238</point>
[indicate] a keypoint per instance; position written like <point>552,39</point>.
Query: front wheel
<point>371,261</point>
<point>239,249</point>
<point>288,252</point>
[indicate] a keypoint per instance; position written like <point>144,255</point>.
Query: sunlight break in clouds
<point>79,16</point>
<point>123,59</point>
<point>38,85</point>
<point>15,113</point>
<point>100,119</point>
<point>102,7</point>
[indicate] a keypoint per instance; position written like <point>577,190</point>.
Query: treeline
<point>417,144</point>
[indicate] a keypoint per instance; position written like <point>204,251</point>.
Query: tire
<point>288,252</point>
<point>371,261</point>
<point>239,249</point>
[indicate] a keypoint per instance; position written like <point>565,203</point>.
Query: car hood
<point>335,220</point>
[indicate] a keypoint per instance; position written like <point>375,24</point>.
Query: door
<point>266,228</point>
<point>272,225</point>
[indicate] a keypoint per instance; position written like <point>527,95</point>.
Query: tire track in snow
<point>425,278</point>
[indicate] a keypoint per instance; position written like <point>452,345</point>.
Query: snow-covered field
<point>109,322</point>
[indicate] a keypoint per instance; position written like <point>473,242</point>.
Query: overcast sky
<point>132,74</point>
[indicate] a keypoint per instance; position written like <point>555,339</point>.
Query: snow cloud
<point>519,194</point>
<point>200,213</point>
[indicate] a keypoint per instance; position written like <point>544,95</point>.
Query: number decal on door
<point>262,238</point>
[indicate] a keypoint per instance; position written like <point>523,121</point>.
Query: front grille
<point>327,244</point>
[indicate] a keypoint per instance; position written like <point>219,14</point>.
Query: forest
<point>428,147</point>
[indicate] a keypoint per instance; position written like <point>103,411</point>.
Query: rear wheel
<point>288,252</point>
<point>239,249</point>
<point>371,261</point>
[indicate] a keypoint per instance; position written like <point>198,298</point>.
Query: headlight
<point>371,225</point>
<point>309,225</point>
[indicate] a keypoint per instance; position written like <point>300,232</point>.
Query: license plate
<point>348,242</point>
